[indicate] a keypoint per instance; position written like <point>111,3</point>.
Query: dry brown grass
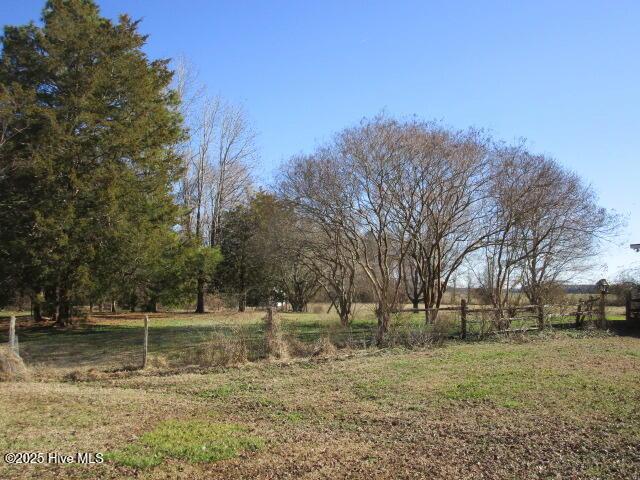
<point>221,350</point>
<point>322,347</point>
<point>87,375</point>
<point>160,362</point>
<point>12,367</point>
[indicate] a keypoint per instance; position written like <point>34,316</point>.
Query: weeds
<point>221,350</point>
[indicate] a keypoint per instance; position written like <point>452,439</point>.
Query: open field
<point>558,405</point>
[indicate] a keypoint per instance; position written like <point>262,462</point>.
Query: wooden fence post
<point>627,310</point>
<point>463,318</point>
<point>13,340</point>
<point>602,316</point>
<point>540,316</point>
<point>146,341</point>
<point>579,315</point>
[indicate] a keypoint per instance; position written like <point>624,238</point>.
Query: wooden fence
<point>632,309</point>
<point>496,320</point>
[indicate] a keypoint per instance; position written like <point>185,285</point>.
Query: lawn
<point>560,404</point>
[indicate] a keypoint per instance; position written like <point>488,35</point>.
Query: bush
<point>298,348</point>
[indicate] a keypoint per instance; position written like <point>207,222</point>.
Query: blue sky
<point>564,75</point>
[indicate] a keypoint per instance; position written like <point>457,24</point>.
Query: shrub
<point>298,348</point>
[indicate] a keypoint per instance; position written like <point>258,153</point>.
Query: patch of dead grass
<point>12,367</point>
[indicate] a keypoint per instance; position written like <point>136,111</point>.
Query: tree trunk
<point>427,302</point>
<point>200,299</point>
<point>540,316</point>
<point>383,324</point>
<point>37,310</point>
<point>133,300</point>
<point>344,311</point>
<point>63,308</point>
<point>152,306</point>
<point>242,302</point>
<point>55,314</point>
<point>113,306</point>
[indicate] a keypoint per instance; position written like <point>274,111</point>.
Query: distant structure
<point>636,246</point>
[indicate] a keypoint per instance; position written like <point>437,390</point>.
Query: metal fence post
<point>463,318</point>
<point>13,340</point>
<point>146,341</point>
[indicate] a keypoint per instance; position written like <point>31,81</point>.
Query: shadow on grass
<point>625,328</point>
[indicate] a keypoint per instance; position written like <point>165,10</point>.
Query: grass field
<point>557,404</point>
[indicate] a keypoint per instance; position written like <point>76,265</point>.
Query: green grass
<point>192,441</point>
<point>15,313</point>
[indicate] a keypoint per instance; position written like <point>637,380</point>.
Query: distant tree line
<point>122,180</point>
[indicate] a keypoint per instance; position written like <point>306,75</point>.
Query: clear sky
<point>563,74</point>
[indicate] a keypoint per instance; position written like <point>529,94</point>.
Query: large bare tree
<point>346,187</point>
<point>411,202</point>
<point>562,231</point>
<point>444,204</point>
<point>546,227</point>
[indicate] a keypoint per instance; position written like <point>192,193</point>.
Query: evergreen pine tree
<point>87,177</point>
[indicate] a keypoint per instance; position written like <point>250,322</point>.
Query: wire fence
<point>114,344</point>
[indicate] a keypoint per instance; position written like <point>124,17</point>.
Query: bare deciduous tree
<point>443,204</point>
<point>345,187</point>
<point>334,265</point>
<point>218,156</point>
<point>411,202</point>
<point>232,164</point>
<point>546,227</point>
<point>561,232</point>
